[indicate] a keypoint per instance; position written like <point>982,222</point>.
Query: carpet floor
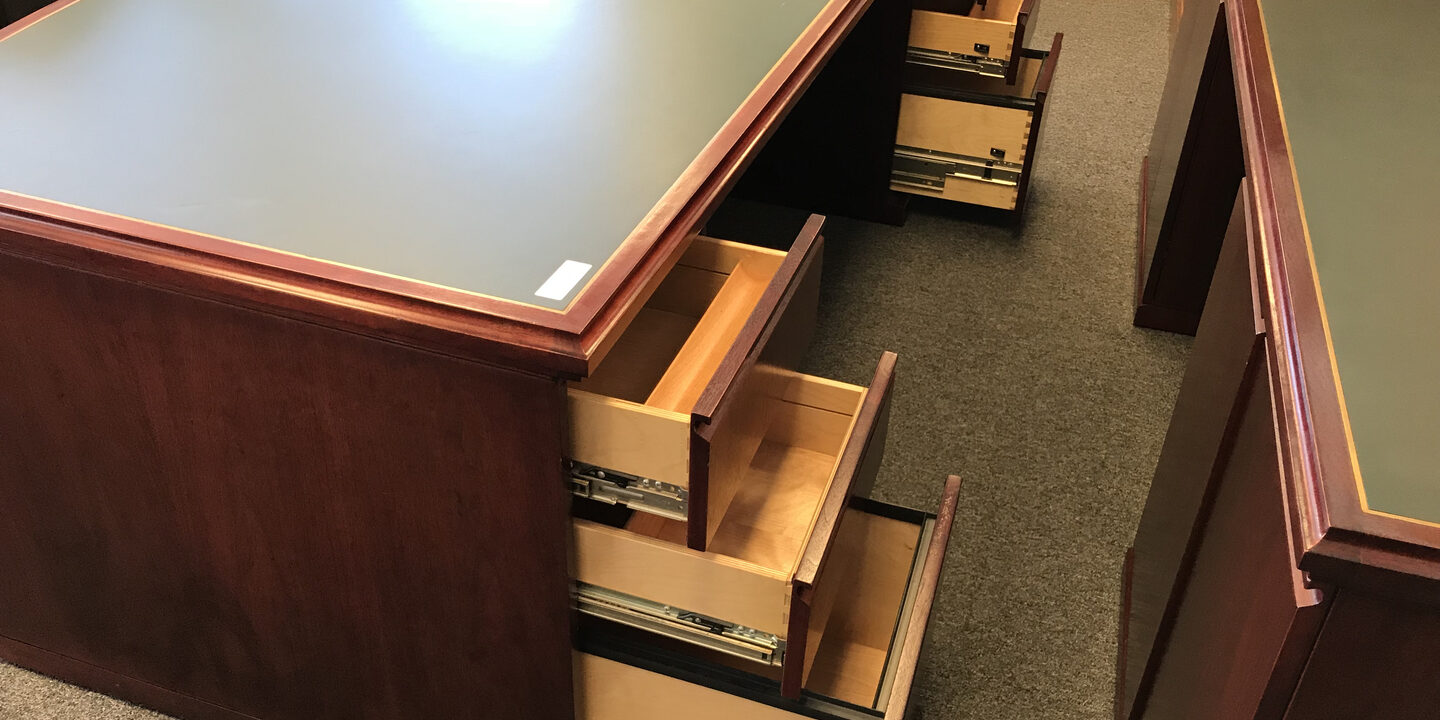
<point>1019,371</point>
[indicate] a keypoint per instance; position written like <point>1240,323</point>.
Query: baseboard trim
<point>106,682</point>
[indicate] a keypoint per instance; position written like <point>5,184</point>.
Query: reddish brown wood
<point>1245,610</point>
<point>797,628</point>
<point>1042,92</point>
<point>274,517</point>
<point>1376,659</point>
<point>854,473</point>
<point>1172,121</point>
<point>1192,227</point>
<point>1202,430</point>
<point>437,318</point>
<point>20,14</point>
<point>1120,702</point>
<point>1338,541</point>
<point>99,679</point>
<point>1142,253</point>
<point>914,633</point>
<point>1023,20</point>
<point>791,287</point>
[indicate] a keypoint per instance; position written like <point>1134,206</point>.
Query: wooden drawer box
<point>985,37</point>
<point>852,650</point>
<point>690,394</point>
<point>970,138</point>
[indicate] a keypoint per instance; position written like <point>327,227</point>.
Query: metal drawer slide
<point>637,493</point>
<point>694,628</point>
<point>929,168</point>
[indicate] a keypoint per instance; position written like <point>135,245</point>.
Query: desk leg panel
<point>1375,658</point>
<point>1202,429</point>
<point>272,517</point>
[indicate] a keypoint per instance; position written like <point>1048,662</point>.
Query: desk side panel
<point>1201,433</point>
<point>1375,658</point>
<point>277,518</point>
<point>1246,622</point>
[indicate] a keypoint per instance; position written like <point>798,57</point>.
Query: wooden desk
<point>295,301</point>
<point>1288,561</point>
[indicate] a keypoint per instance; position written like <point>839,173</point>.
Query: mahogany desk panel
<point>290,295</point>
<point>1325,600</point>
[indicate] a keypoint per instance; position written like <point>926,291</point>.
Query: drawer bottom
<point>863,653</point>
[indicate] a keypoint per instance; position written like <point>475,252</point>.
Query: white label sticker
<point>563,280</point>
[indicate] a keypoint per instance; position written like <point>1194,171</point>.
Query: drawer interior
<point>929,77</point>
<point>632,414</point>
<point>767,516</point>
<point>676,341</point>
<point>850,670</point>
<point>966,136</point>
<point>857,644</point>
<point>744,575</point>
<point>988,32</point>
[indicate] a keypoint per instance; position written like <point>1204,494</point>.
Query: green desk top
<point>1360,91</point>
<point>475,144</point>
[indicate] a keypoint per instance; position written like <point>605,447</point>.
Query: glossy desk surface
<point>1360,95</point>
<point>473,144</point>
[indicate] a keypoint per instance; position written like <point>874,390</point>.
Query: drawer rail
<point>637,493</point>
<point>690,627</point>
<point>928,168</point>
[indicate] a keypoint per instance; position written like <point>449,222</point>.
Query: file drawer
<point>677,399</point>
<point>867,620</point>
<point>984,36</point>
<point>970,138</point>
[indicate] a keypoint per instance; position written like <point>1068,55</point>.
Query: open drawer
<point>980,36</point>
<point>968,138</point>
<point>670,420</point>
<point>750,592</point>
<point>866,630</point>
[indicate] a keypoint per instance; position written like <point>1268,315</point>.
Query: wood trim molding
<point>440,319</point>
<point>1336,539</point>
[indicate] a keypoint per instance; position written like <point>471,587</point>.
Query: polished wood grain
<point>729,417</point>
<point>1336,624</point>
<point>1221,368</point>
<point>1245,604</point>
<point>273,517</point>
<point>1189,233</point>
<point>15,15</point>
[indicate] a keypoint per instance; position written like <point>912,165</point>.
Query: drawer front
<point>641,426</point>
<point>863,660</point>
<point>992,33</point>
<point>823,440</point>
<point>969,138</point>
<point>964,128</point>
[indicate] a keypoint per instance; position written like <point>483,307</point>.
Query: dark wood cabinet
<point>1287,564</point>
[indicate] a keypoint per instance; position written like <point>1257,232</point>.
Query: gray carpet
<point>1019,371</point>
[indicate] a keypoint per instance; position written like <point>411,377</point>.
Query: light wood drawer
<point>865,628</point>
<point>677,401</point>
<point>970,138</point>
<point>986,37</point>
<point>774,530</point>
